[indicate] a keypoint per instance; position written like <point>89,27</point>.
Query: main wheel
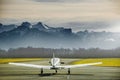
<point>41,71</point>
<point>68,70</point>
<point>56,71</point>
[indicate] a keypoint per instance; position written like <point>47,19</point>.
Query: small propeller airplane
<point>55,65</point>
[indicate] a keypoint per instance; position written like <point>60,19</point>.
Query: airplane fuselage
<point>54,63</point>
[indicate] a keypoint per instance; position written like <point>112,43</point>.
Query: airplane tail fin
<point>53,55</point>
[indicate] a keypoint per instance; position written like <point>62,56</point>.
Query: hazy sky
<point>62,11</point>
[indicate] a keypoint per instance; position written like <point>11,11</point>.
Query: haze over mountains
<point>42,35</point>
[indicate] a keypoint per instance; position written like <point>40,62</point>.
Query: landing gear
<point>41,70</point>
<point>56,71</point>
<point>68,70</point>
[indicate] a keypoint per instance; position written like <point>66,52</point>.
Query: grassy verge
<point>110,62</point>
<point>7,60</point>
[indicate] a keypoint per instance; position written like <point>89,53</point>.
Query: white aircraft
<point>54,65</point>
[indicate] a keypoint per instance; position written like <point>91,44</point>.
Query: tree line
<point>61,53</point>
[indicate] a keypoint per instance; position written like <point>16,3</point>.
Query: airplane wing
<point>79,65</point>
<point>31,65</point>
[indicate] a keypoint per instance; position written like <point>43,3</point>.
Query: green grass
<point>110,62</point>
<point>7,60</point>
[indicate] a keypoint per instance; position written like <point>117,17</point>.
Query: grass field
<point>7,60</point>
<point>113,62</point>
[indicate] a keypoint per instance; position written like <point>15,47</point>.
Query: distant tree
<point>62,53</point>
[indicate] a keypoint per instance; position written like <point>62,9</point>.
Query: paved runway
<point>12,72</point>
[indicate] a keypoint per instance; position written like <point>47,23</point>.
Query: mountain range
<point>42,35</point>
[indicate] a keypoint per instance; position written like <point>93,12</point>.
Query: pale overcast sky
<point>62,11</point>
